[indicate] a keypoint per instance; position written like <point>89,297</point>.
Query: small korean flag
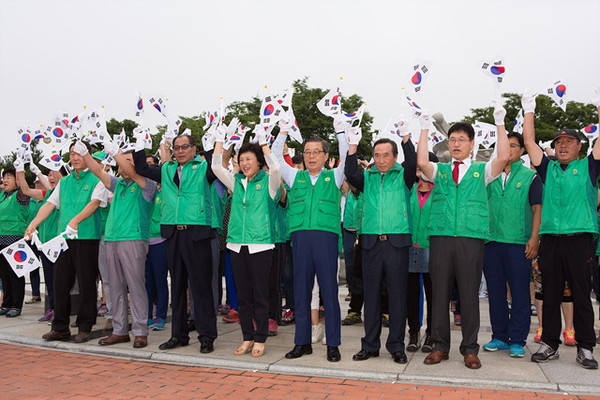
<point>331,104</point>
<point>494,69</point>
<point>270,111</point>
<point>21,258</point>
<point>558,92</point>
<point>418,75</point>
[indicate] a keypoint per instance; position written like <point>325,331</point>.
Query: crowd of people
<point>274,226</point>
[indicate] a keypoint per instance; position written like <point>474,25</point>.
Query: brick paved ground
<point>30,373</point>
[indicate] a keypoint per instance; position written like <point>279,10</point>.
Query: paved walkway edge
<point>202,361</point>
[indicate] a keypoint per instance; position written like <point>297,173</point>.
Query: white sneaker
<point>324,340</point>
<point>317,333</point>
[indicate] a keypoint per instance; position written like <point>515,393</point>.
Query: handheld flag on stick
<point>418,75</point>
<point>139,110</point>
<point>495,69</point>
<point>270,111</point>
<point>331,104</point>
<point>21,258</point>
<point>558,92</point>
<point>518,123</point>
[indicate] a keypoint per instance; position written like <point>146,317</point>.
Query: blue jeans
<point>156,278</point>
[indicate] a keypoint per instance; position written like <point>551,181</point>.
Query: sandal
<point>259,350</point>
<point>4,310</point>
<point>244,349</point>
<point>14,312</point>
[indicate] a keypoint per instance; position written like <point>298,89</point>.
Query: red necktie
<point>455,171</point>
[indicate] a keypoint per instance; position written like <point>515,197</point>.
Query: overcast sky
<point>61,55</point>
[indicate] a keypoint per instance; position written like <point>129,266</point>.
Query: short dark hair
<point>9,171</point>
<point>154,158</point>
<point>190,138</point>
<point>252,148</point>
<point>87,145</point>
<point>462,127</point>
<point>316,139</point>
<point>297,159</point>
<point>384,141</point>
<point>518,136</point>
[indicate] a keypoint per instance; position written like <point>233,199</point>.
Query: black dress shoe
<point>207,347</point>
<point>298,351</point>
<point>365,355</point>
<point>400,357</point>
<point>333,354</point>
<point>171,344</point>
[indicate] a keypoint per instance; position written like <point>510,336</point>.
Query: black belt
<point>382,238</point>
<point>181,227</point>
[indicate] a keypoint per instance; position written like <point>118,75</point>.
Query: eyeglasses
<point>460,141</point>
<point>182,147</point>
<point>315,153</point>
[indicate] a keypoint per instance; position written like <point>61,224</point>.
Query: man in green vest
<point>458,227</point>
<point>126,238</point>
<point>515,200</point>
<point>385,239</point>
<point>569,224</point>
<point>79,198</point>
<point>314,223</point>
<point>186,224</point>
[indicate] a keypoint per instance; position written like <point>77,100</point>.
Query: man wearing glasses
<point>186,224</point>
<point>458,227</point>
<point>314,222</point>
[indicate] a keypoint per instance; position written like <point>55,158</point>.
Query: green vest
<point>315,207</point>
<point>420,218</point>
<point>460,210</point>
<point>34,207</point>
<point>48,229</point>
<point>360,212</point>
<point>190,203</point>
<point>350,215</point>
<point>510,211</point>
<point>218,206</point>
<point>280,224</point>
<point>156,215</point>
<point>75,194</point>
<point>104,215</point>
<point>252,211</point>
<point>386,209</point>
<point>569,200</point>
<point>286,213</point>
<point>13,216</point>
<point>129,217</point>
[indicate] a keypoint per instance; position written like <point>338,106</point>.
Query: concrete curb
<point>202,361</point>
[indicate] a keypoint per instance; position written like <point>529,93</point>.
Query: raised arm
<point>43,180</point>
<point>22,182</point>
<point>288,174</point>
<point>596,103</point>
<point>142,168</point>
<point>343,149</point>
<point>219,170</point>
<point>423,162</point>
<point>92,165</point>
<point>503,153</point>
<point>410,162</point>
<point>535,152</point>
<point>128,168</point>
<point>274,171</point>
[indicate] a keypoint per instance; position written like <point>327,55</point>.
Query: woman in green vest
<point>251,238</point>
<point>14,212</point>
<point>46,231</point>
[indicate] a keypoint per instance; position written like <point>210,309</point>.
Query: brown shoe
<point>82,337</point>
<point>57,335</point>
<point>472,361</point>
<point>435,357</point>
<point>114,339</point>
<point>140,341</point>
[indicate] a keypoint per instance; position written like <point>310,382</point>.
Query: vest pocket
<point>327,212</point>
